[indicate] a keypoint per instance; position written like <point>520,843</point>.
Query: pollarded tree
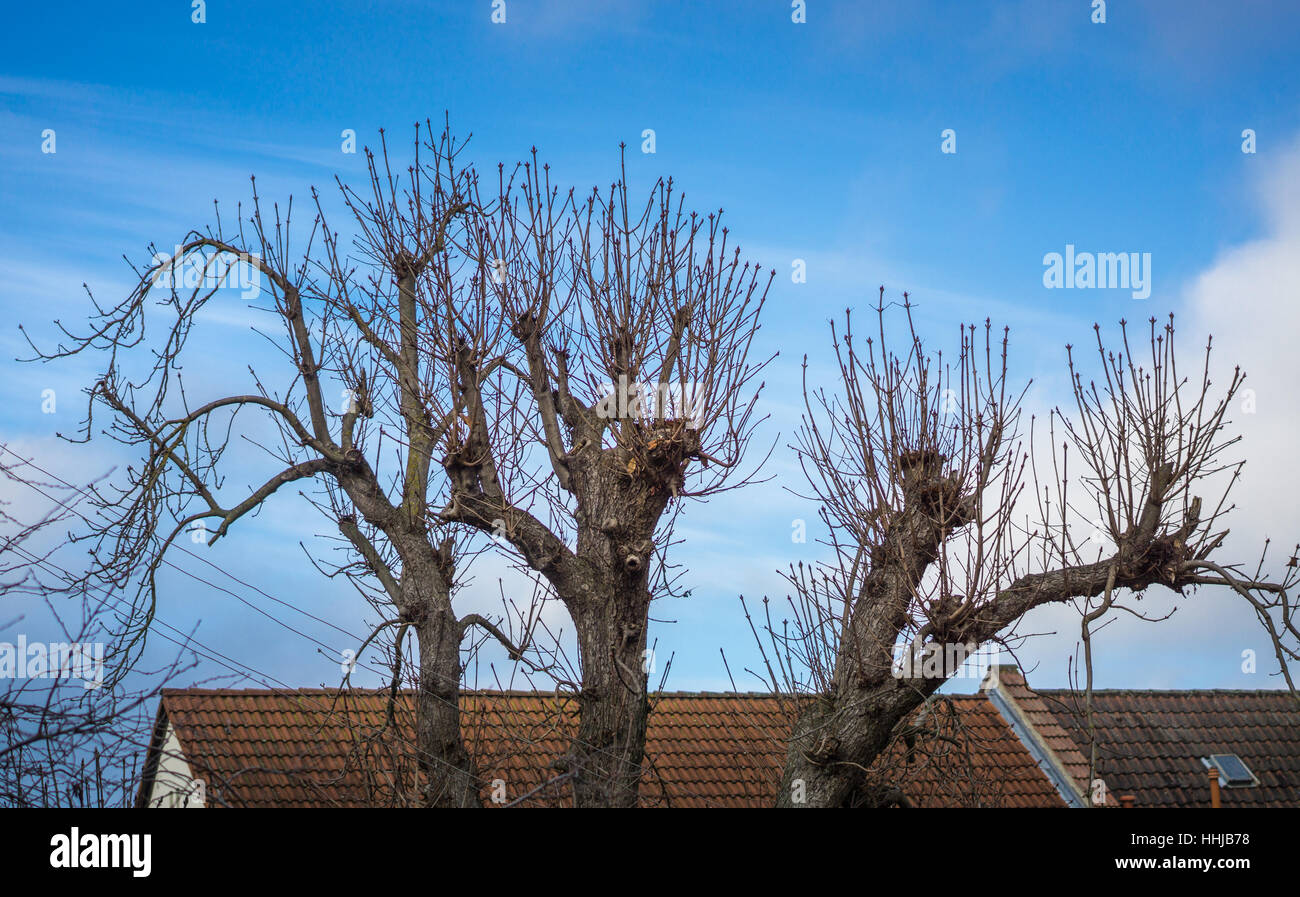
<point>350,322</point>
<point>920,469</point>
<point>626,389</point>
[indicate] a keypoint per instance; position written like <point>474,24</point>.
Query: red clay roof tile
<point>307,748</point>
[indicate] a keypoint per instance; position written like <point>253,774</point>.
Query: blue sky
<point>821,140</point>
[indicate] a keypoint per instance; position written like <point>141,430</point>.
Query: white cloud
<point>1247,299</point>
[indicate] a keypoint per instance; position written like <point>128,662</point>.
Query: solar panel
<point>1233,769</point>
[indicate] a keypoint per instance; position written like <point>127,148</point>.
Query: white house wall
<point>174,786</point>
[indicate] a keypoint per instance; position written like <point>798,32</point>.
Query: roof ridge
<point>1054,692</point>
<point>513,692</point>
<point>288,692</point>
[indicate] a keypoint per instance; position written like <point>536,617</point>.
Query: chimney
<point>1126,802</point>
<point>1213,774</point>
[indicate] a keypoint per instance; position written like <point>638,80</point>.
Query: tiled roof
<point>995,770</point>
<point>306,748</point>
<point>1150,743</point>
<point>1064,751</point>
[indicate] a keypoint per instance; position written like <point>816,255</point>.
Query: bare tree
<point>615,338</point>
<point>627,361</point>
<point>920,468</point>
<point>350,322</point>
<point>71,725</point>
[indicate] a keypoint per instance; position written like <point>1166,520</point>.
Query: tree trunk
<point>449,778</point>
<point>423,600</point>
<point>617,517</point>
<point>836,738</point>
<point>606,755</point>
